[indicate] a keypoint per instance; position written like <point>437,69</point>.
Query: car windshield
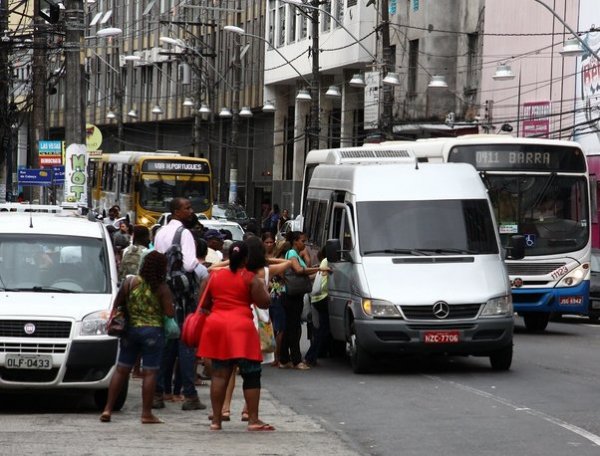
<point>445,227</point>
<point>549,210</point>
<point>229,212</point>
<point>237,234</point>
<point>156,194</point>
<point>67,264</point>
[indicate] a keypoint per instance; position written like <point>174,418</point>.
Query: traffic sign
<point>29,176</point>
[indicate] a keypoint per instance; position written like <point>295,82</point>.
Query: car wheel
<point>100,397</point>
<point>536,321</point>
<point>359,358</point>
<point>502,359</point>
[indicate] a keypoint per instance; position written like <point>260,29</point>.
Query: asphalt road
<point>547,404</point>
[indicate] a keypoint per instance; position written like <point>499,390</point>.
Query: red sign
<point>536,118</point>
<point>50,160</point>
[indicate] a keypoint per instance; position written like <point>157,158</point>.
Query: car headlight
<point>498,307</point>
<point>94,324</point>
<point>380,309</point>
<point>575,277</point>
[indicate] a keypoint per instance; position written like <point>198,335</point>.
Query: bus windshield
<point>550,210</point>
<point>429,227</point>
<point>157,192</point>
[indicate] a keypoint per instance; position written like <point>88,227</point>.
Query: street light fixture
<point>109,32</point>
<point>503,73</point>
<point>437,82</point>
<point>357,80</point>
<point>268,106</point>
<point>132,113</point>
<point>571,48</point>
<point>204,109</point>
<point>245,112</point>
<point>303,95</point>
<point>110,115</point>
<point>157,110</point>
<point>392,79</point>
<point>333,92</point>
<point>225,113</point>
<point>188,102</point>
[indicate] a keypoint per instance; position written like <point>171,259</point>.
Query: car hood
<point>52,305</point>
<point>453,279</point>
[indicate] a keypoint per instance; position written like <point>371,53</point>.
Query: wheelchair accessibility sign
<point>530,240</point>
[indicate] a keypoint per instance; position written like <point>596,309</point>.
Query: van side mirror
<point>332,250</point>
<point>516,247</point>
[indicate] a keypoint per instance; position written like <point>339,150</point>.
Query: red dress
<point>229,331</point>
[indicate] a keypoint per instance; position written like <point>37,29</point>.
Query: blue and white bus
<point>540,189</point>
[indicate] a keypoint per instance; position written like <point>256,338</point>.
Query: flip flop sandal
<point>105,418</point>
<point>260,427</point>
<point>154,420</point>
<point>245,416</point>
<point>224,417</point>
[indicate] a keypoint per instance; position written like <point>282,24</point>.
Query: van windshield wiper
<point>415,252</point>
<point>450,250</point>
<point>39,289</point>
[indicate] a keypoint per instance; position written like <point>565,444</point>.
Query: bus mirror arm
<point>515,248</point>
<point>333,249</point>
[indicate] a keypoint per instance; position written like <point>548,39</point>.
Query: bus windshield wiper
<point>415,252</point>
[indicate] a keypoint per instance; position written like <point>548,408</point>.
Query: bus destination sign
<point>519,157</point>
<point>170,166</point>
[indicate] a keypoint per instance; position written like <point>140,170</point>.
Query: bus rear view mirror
<point>516,247</point>
<point>332,250</point>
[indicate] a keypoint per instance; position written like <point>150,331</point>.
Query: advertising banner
<point>373,81</point>
<point>587,117</point>
<point>76,174</point>
<point>536,118</point>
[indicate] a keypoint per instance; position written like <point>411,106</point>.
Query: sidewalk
<point>187,432</point>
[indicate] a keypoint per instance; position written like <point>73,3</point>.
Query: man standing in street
<point>181,214</point>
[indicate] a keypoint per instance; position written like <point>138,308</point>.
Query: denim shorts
<point>246,366</point>
<point>277,314</point>
<point>147,341</point>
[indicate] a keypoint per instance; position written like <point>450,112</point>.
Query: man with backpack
<point>177,243</point>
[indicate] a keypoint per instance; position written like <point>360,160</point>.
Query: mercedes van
<point>58,279</point>
<point>416,260</point>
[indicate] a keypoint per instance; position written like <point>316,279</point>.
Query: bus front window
<point>157,193</point>
<point>550,210</point>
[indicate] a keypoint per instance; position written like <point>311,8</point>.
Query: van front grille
<point>41,328</point>
<point>457,312</point>
<point>32,349</point>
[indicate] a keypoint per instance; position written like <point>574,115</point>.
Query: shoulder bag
<point>297,284</point>
<point>191,331</point>
<point>118,322</point>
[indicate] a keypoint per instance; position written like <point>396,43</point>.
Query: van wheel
<point>100,397</point>
<point>359,358</point>
<point>337,349</point>
<point>502,359</point>
<point>536,321</point>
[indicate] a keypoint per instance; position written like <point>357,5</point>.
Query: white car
<point>236,230</point>
<point>58,279</point>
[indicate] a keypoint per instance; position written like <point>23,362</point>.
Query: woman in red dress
<point>229,337</point>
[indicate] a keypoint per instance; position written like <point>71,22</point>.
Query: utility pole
<point>235,121</point>
<point>5,127</point>
<point>315,123</point>
<point>386,120</point>
<point>38,121</point>
<point>74,96</point>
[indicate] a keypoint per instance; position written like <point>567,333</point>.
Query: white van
<point>58,279</point>
<point>417,264</point>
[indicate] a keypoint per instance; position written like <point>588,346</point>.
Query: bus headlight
<point>380,309</point>
<point>498,307</point>
<point>575,277</point>
<point>94,324</point>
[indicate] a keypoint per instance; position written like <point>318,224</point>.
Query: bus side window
<point>126,179</point>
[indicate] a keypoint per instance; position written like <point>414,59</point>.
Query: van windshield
<point>431,227</point>
<point>63,264</point>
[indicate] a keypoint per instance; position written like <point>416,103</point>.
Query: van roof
<point>53,224</point>
<point>401,181</point>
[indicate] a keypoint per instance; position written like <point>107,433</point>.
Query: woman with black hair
<point>148,300</point>
<point>229,337</point>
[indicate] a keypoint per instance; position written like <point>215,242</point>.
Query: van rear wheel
<point>502,359</point>
<point>359,358</point>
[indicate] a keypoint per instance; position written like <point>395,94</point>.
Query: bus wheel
<point>359,358</point>
<point>502,359</point>
<point>536,321</point>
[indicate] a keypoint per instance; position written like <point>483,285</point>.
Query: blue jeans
<point>147,341</point>
<point>187,372</point>
<point>321,335</point>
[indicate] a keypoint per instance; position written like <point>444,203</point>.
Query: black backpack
<point>182,283</point>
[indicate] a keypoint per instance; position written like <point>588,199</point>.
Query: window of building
<point>303,25</point>
<point>326,18</point>
<point>472,47</point>
<point>415,5</point>
<point>288,158</point>
<point>339,12</point>
<point>272,21</point>
<point>281,30</point>
<point>292,25</point>
<point>413,62</point>
<point>335,129</point>
<point>351,3</point>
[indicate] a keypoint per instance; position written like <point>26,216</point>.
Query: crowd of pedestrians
<point>242,284</point>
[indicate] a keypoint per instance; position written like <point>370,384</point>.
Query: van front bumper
<point>400,337</point>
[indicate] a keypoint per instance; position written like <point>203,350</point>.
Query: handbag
<point>172,330</point>
<point>297,284</point>
<point>316,287</point>
<point>266,332</point>
<point>117,322</point>
<point>191,331</point>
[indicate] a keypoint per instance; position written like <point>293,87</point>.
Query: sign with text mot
<point>76,174</point>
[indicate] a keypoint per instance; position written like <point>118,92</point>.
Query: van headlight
<point>380,309</point>
<point>575,277</point>
<point>94,324</point>
<point>498,307</point>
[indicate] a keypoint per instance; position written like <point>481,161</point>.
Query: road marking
<point>595,439</point>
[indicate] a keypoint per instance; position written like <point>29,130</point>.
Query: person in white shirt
<point>214,239</point>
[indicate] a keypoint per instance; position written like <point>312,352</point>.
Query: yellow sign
<point>93,137</point>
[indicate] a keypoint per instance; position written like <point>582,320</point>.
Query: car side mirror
<point>333,248</point>
<point>516,247</point>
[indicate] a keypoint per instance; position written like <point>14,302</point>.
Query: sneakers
<point>158,402</point>
<point>192,403</point>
